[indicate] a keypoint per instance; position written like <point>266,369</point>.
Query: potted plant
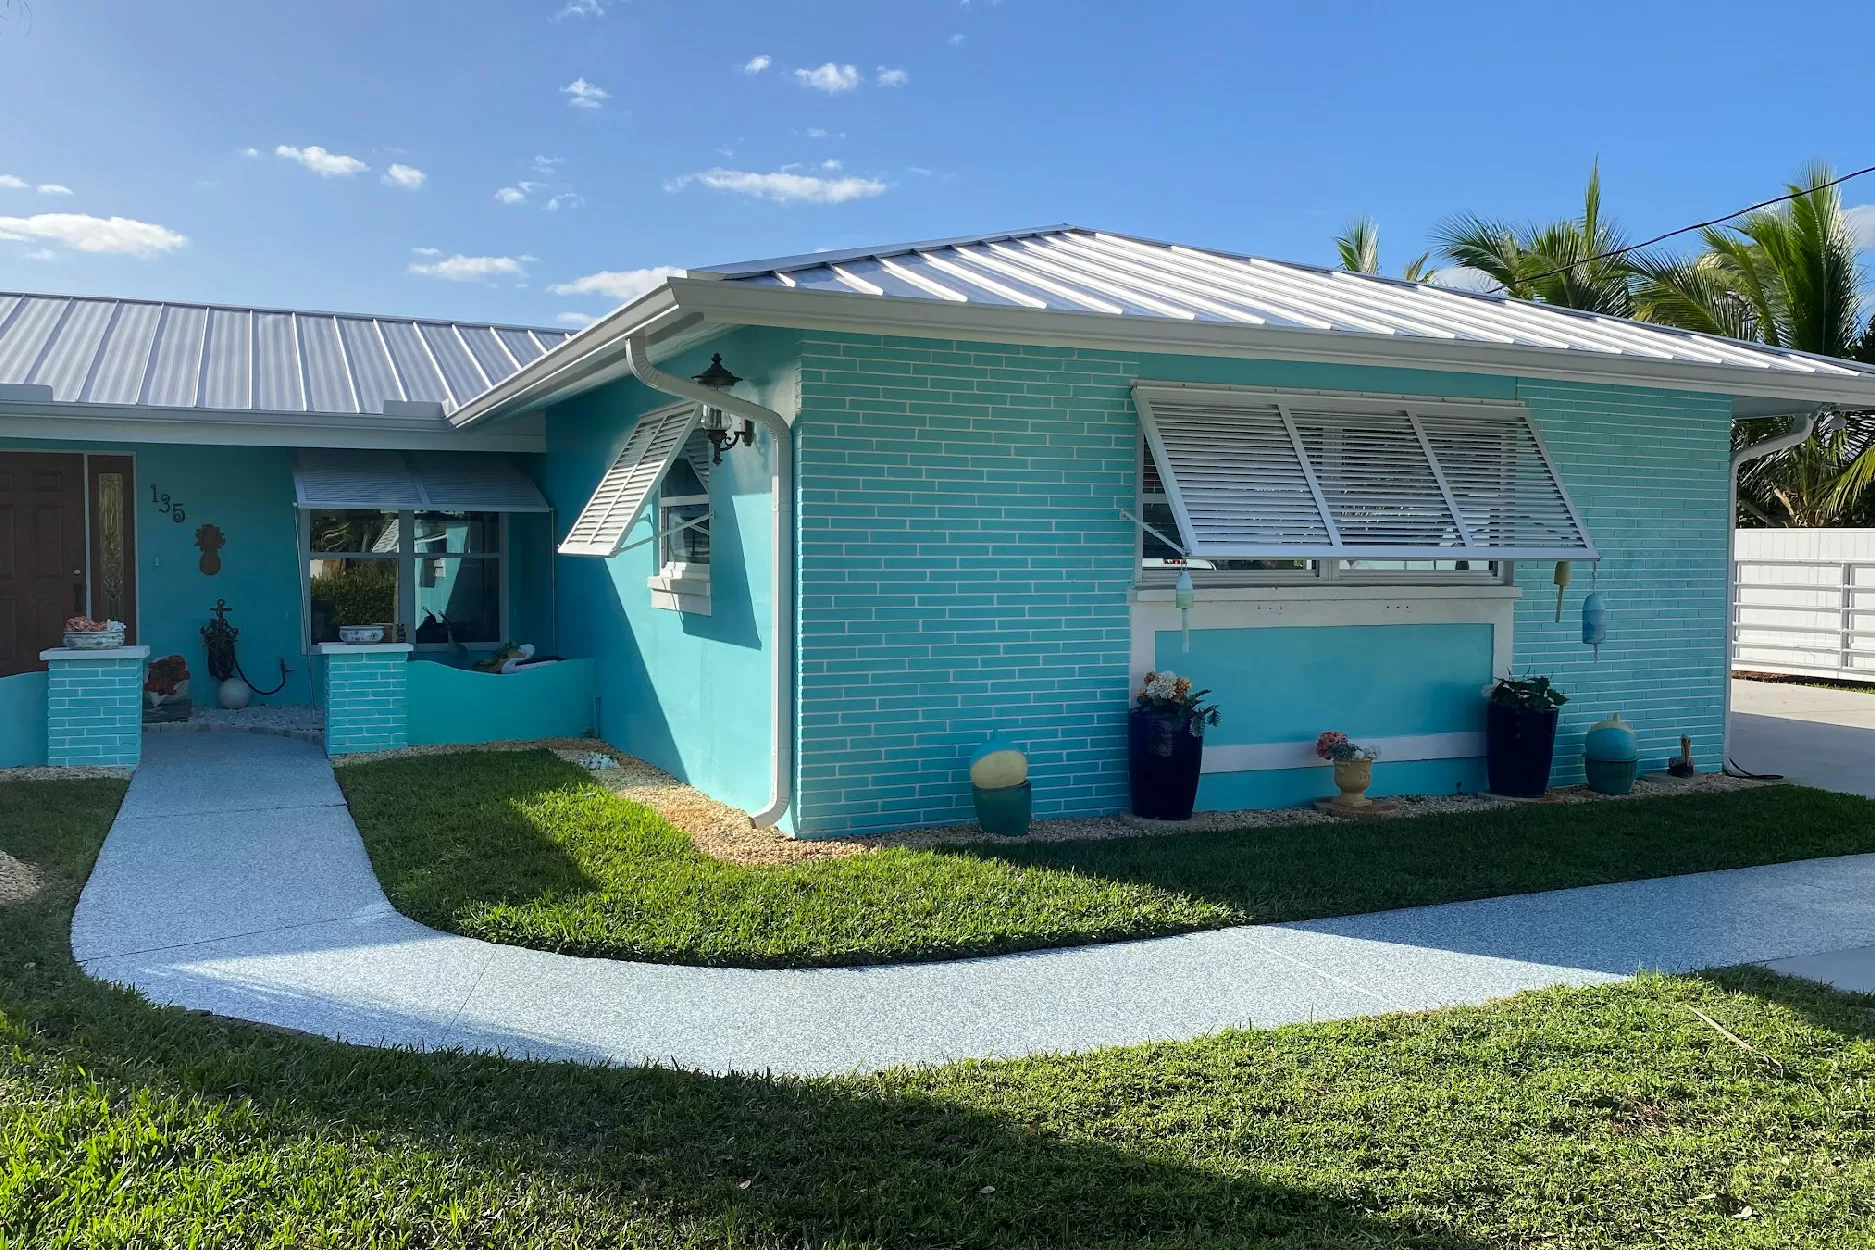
<point>1354,767</point>
<point>1165,746</point>
<point>166,690</point>
<point>1520,735</point>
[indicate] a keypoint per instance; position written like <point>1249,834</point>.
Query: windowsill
<point>1334,590</point>
<point>680,594</point>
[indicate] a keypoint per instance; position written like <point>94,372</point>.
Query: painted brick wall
<point>366,709</point>
<point>1648,470</point>
<point>963,568</point>
<point>94,712</point>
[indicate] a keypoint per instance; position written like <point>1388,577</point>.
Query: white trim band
<point>1274,756</point>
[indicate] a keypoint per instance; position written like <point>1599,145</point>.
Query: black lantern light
<point>715,423</point>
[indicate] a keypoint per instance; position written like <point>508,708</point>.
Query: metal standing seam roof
<point>156,354</point>
<point>1070,269</point>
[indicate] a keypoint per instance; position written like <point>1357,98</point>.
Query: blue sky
<point>536,160</point>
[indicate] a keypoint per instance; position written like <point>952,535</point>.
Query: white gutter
<point>781,751</point>
<point>1801,427</point>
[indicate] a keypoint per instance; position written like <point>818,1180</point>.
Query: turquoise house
<point>813,527</point>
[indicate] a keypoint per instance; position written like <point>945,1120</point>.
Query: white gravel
<point>18,881</point>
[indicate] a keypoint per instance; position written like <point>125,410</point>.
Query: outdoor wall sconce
<point>715,423</point>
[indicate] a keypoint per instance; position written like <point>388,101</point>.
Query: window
<point>682,582</point>
<point>435,577</point>
<point>1263,487</point>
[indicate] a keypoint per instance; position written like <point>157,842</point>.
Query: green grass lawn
<point>522,847</point>
<point>1599,1119</point>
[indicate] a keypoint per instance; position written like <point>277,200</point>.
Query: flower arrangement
<point>165,675</point>
<point>1167,694</point>
<point>1530,692</point>
<point>1335,745</point>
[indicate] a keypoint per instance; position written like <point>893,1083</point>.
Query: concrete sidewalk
<point>234,881</point>
<point>1813,735</point>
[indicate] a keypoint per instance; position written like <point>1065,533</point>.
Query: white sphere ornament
<point>233,694</point>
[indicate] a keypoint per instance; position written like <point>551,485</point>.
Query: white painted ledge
<point>96,653</point>
<point>1271,756</point>
<point>360,648</point>
<point>1330,592</point>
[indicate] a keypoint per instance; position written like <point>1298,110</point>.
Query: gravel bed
<point>69,772</point>
<point>18,881</point>
<point>263,717</point>
<point>725,833</point>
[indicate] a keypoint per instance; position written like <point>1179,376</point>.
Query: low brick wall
<point>94,706</point>
<point>366,704</point>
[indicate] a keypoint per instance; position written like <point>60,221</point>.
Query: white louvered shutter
<point>1259,476</point>
<point>654,442</point>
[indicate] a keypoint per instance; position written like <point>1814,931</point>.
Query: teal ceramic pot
<point>1611,756</point>
<point>1004,812</point>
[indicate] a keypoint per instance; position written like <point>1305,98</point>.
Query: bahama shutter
<point>1253,475</point>
<point>620,497</point>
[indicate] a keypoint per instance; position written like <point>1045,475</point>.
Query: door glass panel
<point>110,598</point>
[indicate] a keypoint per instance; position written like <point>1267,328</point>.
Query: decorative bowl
<point>358,634</point>
<point>96,640</point>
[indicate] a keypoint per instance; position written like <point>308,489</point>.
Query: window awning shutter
<point>1257,475</point>
<point>339,478</point>
<point>620,497</point>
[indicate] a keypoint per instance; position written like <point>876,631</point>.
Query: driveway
<point>1812,735</point>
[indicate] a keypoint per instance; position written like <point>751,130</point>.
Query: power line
<point>1698,225</point>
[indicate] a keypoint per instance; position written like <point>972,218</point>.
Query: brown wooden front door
<point>42,553</point>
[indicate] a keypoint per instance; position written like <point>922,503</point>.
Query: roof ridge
<point>302,312</point>
<point>811,260</point>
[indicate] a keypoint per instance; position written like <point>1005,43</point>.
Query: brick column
<point>365,709</point>
<point>94,706</point>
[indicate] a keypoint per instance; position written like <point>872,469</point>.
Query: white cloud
<point>12,183</point>
<point>955,41</point>
<point>783,186</point>
<point>833,164</point>
<point>892,77</point>
<point>510,195</point>
<point>581,8</point>
<point>815,132</point>
<point>566,199</point>
<point>622,285</point>
<point>40,253</point>
<point>250,151</point>
<point>1463,278</point>
<point>325,164</point>
<point>545,164</point>
<point>404,176</point>
<point>427,251</point>
<point>1861,224</point>
<point>578,320</point>
<point>584,95</point>
<point>460,268</point>
<point>756,64</point>
<point>85,233</point>
<point>54,188</point>
<point>830,78</point>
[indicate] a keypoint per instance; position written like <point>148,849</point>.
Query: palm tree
<point>1359,249</point>
<point>1785,276</point>
<point>1573,263</point>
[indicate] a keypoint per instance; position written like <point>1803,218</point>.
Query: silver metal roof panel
<point>147,353</point>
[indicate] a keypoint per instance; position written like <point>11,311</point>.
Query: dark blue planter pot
<point>1163,758</point>
<point>1520,745</point>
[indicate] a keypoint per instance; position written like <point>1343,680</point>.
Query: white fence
<point>1803,601</point>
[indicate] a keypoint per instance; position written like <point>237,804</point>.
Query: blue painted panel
<point>1292,787</point>
<point>447,704</point>
<point>23,720</point>
<point>1369,681</point>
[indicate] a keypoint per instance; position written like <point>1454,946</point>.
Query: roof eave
<point>76,421</point>
<point>739,303</point>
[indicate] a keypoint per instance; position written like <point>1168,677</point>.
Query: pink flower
<point>1326,745</point>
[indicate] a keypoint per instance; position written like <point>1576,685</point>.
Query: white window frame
<point>1325,568</point>
<point>679,585</point>
<point>406,557</point>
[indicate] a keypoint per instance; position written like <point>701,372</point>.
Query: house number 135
<point>165,504</point>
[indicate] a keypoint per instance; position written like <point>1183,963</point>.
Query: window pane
<point>456,533</point>
<point>361,532</point>
<point>458,600</point>
<point>690,545</point>
<point>1480,567</point>
<point>350,592</point>
<point>1156,554</point>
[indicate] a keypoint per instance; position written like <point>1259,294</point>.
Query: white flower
<point>1163,685</point>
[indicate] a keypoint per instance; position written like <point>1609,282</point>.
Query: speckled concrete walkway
<point>234,881</point>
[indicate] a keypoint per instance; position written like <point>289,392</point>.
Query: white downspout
<point>781,755</point>
<point>1800,429</point>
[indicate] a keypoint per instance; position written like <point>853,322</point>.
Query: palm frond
<point>1359,246</point>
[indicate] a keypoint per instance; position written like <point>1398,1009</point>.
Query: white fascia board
<point>97,423</point>
<point>747,304</point>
